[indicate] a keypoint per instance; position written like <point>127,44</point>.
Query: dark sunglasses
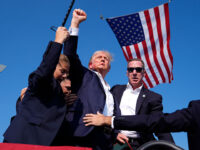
<point>137,69</point>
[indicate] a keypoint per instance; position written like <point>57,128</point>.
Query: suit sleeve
<point>180,120</point>
<point>40,79</point>
<point>117,112</point>
<point>76,68</point>
<point>157,107</point>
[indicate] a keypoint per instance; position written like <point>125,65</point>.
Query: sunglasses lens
<point>138,69</point>
<point>130,70</point>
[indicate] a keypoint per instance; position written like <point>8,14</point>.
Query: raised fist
<point>78,16</point>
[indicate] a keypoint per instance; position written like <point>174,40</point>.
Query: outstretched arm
<point>180,120</point>
<point>97,120</point>
<point>42,77</point>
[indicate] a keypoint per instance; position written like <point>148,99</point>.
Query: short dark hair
<point>136,59</point>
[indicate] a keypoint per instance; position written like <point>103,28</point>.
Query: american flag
<point>146,35</point>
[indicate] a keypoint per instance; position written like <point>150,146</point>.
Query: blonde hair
<point>106,52</point>
<point>64,59</point>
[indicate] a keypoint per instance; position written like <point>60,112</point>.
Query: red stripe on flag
<point>126,57</point>
<point>137,51</point>
<point>166,9</point>
<point>146,54</point>
<point>129,52</point>
<point>149,25</point>
<point>145,85</point>
<point>148,80</point>
<point>159,30</point>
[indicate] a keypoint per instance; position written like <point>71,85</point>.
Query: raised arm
<point>70,50</point>
<point>44,73</point>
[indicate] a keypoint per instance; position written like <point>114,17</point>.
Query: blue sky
<point>24,35</point>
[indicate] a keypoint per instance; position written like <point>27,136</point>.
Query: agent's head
<point>62,69</point>
<point>66,86</point>
<point>135,72</point>
<point>100,62</point>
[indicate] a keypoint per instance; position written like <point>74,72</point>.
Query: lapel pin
<point>143,95</point>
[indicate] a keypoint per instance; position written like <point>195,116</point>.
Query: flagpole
<point>68,12</point>
<point>53,28</point>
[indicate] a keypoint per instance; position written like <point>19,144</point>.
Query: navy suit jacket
<point>43,109</point>
<point>148,102</point>
<point>186,120</point>
<point>87,85</point>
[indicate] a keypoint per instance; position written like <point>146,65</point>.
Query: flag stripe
<point>153,46</point>
<point>164,36</point>
<point>146,54</point>
<point>129,52</point>
<point>137,51</point>
<point>157,45</point>
<point>145,83</point>
<point>166,8</point>
<point>124,52</point>
<point>161,42</point>
<point>156,34</point>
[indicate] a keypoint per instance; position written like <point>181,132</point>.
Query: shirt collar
<point>102,79</point>
<point>129,87</point>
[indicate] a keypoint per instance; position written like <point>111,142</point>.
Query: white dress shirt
<point>73,31</point>
<point>128,106</point>
<point>109,104</point>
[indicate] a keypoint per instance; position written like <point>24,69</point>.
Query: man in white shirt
<point>100,64</point>
<point>93,94</point>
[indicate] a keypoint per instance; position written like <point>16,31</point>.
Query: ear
<point>126,73</point>
<point>90,65</point>
<point>144,73</point>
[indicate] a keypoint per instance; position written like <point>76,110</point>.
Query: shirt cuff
<point>73,31</point>
<point>112,122</point>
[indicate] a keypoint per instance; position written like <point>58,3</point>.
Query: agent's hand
<point>96,119</point>
<point>23,91</point>
<point>70,99</point>
<point>122,138</point>
<point>61,35</point>
<point>78,17</point>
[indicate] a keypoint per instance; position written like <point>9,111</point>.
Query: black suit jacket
<point>42,110</point>
<point>148,102</point>
<point>186,120</point>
